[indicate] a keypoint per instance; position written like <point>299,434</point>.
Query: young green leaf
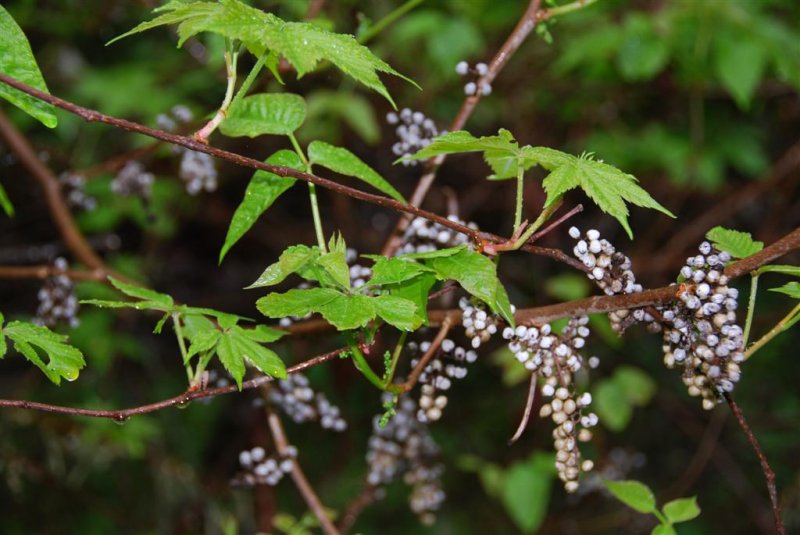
<point>780,268</point>
<point>303,44</point>
<point>663,529</point>
<point>606,185</point>
<point>296,302</point>
<point>64,361</point>
<point>265,113</point>
<point>681,510</point>
<point>524,480</point>
<point>262,191</point>
<point>335,265</point>
<point>202,342</point>
<point>292,260</point>
<point>3,345</point>
<point>436,253</point>
<point>415,290</point>
<point>18,62</point>
<point>263,334</point>
<point>5,202</point>
<point>344,162</point>
<point>144,294</point>
<point>634,494</point>
<point>398,312</point>
<point>235,346</point>
<point>792,289</point>
<point>739,64</point>
<point>395,270</point>
<point>738,244</point>
<point>349,311</point>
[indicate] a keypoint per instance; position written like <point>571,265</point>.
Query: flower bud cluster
<point>299,402</point>
<point>423,236</point>
<point>556,358</point>
<point>133,180</point>
<point>700,331</point>
<point>474,86</point>
<point>197,170</point>
<point>404,447</point>
<point>414,131</point>
<point>258,469</point>
<point>74,185</point>
<point>57,300</point>
<point>479,323</point>
<point>437,377</point>
<point>611,271</point>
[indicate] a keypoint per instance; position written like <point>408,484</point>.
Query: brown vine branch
<point>526,24</point>
<point>299,478</point>
<point>413,377</point>
<point>361,502</point>
<point>762,459</point>
<point>44,271</point>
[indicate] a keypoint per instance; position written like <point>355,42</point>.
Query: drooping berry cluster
<point>404,447</point>
<point>611,271</point>
<point>359,275</point>
<point>132,180</point>
<point>700,331</point>
<point>474,86</point>
<point>57,301</point>
<point>197,170</point>
<point>74,185</point>
<point>414,131</point>
<point>258,469</point>
<point>437,377</point>
<point>479,324</point>
<point>556,358</point>
<point>299,402</point>
<point>423,236</point>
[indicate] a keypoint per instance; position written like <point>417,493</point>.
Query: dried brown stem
<point>533,387</point>
<point>299,478</point>
<point>765,467</point>
<point>526,24</point>
<point>413,377</point>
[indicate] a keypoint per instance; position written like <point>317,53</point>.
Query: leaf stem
<point>398,349</point>
<point>779,327</point>
<point>536,225</point>
<point>251,77</point>
<point>362,365</point>
<point>231,57</point>
<point>518,210</point>
<point>381,25</point>
<point>176,322</point>
<point>751,305</point>
<point>312,195</point>
<point>566,8</point>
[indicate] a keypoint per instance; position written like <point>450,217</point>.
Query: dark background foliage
<point>698,99</point>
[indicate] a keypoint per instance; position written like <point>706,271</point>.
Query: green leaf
<point>344,162</point>
<point>462,141</point>
<point>144,294</point>
<point>335,265</point>
<point>395,270</point>
<point>436,253</point>
<point>636,385</point>
<point>265,113</point>
<point>681,510</point>
<point>349,311</point>
<point>262,191</point>
<point>526,491</point>
<point>780,268</point>
<point>415,290</point>
<point>738,244</point>
<point>739,64</point>
<point>5,202</point>
<point>398,312</point>
<point>792,289</point>
<point>263,334</point>
<point>606,185</point>
<point>642,53</point>
<point>235,346</point>
<point>293,259</point>
<point>634,494</point>
<point>327,109</point>
<point>64,361</point>
<point>611,405</point>
<point>303,44</point>
<point>202,342</point>
<point>663,529</point>
<point>3,344</point>
<point>18,62</point>
<point>296,302</point>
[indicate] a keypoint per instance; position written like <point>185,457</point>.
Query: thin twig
<point>765,467</point>
<point>526,416</point>
<point>413,377</point>
<point>353,510</point>
<point>44,271</point>
<point>518,35</point>
<point>182,399</point>
<point>549,228</point>
<point>300,481</point>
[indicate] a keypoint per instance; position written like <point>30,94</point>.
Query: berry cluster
<point>556,358</point>
<point>179,114</point>
<point>479,324</point>
<point>358,274</point>
<point>438,375</point>
<point>423,236</point>
<point>700,331</point>
<point>414,131</point>
<point>258,469</point>
<point>57,301</point>
<point>133,180</point>
<point>474,86</point>
<point>297,399</point>
<point>611,271</point>
<point>197,170</point>
<point>74,191</point>
<point>405,447</point>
